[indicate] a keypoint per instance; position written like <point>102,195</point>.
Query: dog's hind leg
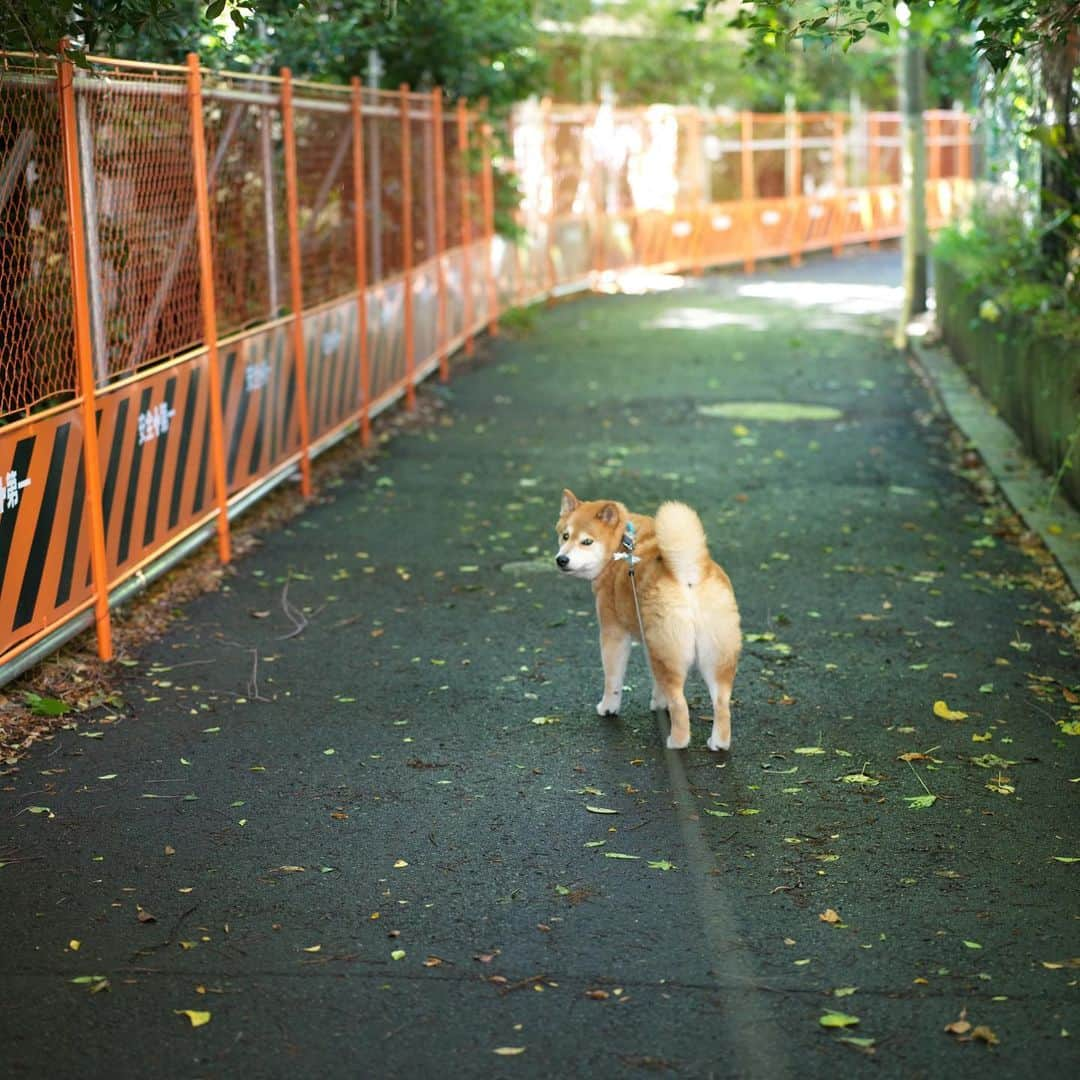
<point>657,703</point>
<point>720,678</point>
<point>669,684</point>
<point>615,652</point>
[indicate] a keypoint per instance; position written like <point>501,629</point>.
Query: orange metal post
<point>407,247</point>
<point>873,147</point>
<point>466,224</point>
<point>84,358</point>
<point>360,243</point>
<point>873,167</point>
<point>549,217</point>
<point>519,219</point>
<point>487,190</point>
<point>795,187</point>
<point>442,332</point>
<point>209,305</point>
<point>598,218</point>
<point>746,158</point>
<point>697,209</point>
<point>963,147</point>
<point>934,142</point>
<point>839,182</point>
<point>292,197</point>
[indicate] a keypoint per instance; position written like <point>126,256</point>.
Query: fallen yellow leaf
<point>74,944</point>
<point>942,710</point>
<point>196,1017</point>
<point>830,916</point>
<point>508,1051</point>
<point>959,1026</point>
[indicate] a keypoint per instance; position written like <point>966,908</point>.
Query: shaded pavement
<point>367,849</point>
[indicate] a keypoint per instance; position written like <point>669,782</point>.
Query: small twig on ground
<point>293,614</point>
<point>172,934</point>
<point>532,980</point>
<point>253,681</point>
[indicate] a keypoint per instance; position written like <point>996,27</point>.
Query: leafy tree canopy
<point>1000,29</point>
<point>475,48</point>
<point>471,48</point>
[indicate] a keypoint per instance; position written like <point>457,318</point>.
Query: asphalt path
<point>358,807</point>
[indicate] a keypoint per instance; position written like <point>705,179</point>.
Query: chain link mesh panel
<point>325,192</point>
<point>37,363</point>
<point>139,203</point>
<point>817,171</point>
<point>246,183</point>
<point>422,160</point>
<point>452,172</point>
<point>385,191</point>
<point>770,156</point>
<point>721,146</point>
<point>884,142</point>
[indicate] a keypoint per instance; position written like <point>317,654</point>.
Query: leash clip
<point>628,541</point>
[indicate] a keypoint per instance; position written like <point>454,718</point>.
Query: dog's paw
<point>677,744</point>
<point>608,707</point>
<point>713,743</point>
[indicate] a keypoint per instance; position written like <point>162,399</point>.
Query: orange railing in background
<point>683,188</point>
<point>207,278</point>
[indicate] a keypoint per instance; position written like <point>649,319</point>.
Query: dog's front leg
<point>615,652</point>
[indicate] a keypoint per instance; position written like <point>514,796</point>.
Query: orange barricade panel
<point>333,366</point>
<point>425,315</point>
<point>772,223</point>
<point>259,404</point>
<point>153,437</point>
<point>387,341</point>
<point>455,293</point>
<point>44,546</point>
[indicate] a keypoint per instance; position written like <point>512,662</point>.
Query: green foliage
<point>1000,254</point>
<point>471,48</point>
<point>639,52</point>
<point>773,23</point>
<point>46,706</point>
<point>1000,29</point>
<point>517,323</point>
<point>117,27</point>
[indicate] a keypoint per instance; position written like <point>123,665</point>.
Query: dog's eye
<point>586,542</point>
<point>566,536</point>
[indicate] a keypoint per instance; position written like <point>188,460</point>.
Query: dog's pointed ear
<point>569,501</point>
<point>608,513</point>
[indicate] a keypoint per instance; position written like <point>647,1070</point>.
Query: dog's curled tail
<point>681,539</point>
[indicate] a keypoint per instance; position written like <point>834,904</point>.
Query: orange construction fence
<point>207,278</point>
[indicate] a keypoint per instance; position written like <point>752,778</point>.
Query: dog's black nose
<point>562,561</point>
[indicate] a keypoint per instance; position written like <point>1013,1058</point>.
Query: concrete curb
<point>1022,480</point>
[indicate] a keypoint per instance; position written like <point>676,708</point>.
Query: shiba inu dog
<point>686,602</point>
